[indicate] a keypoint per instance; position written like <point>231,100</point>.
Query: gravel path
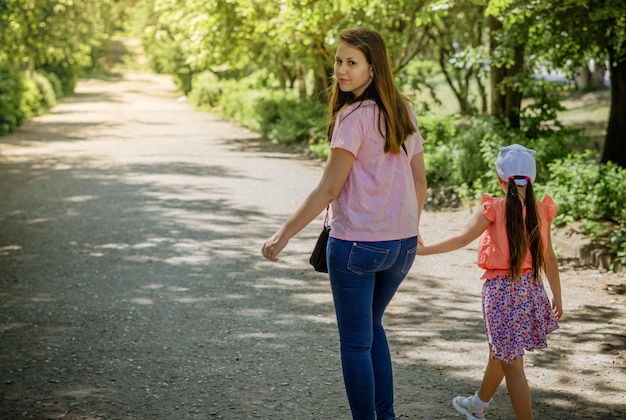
<point>132,285</point>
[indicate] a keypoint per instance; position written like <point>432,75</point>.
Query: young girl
<point>514,248</point>
<point>376,182</point>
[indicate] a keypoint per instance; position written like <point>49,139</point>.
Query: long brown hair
<point>395,117</point>
<point>523,234</point>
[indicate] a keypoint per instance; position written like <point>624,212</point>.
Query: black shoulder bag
<point>318,256</point>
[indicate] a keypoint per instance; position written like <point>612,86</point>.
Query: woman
<point>375,181</point>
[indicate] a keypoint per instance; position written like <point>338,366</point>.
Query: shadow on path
<point>132,287</point>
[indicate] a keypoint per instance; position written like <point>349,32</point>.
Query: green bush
<point>30,103</point>
<point>66,72</point>
<point>439,134</point>
<point>11,90</point>
<point>268,110</point>
<point>277,115</point>
<point>57,87</point>
<point>183,77</point>
<point>586,189</point>
<point>592,194</point>
<point>238,104</point>
<point>289,120</point>
<point>47,96</point>
<point>319,146</point>
<point>23,96</point>
<point>206,89</point>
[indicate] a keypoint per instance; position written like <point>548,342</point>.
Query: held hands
<point>420,244</point>
<point>273,246</point>
<point>422,249</point>
<point>420,239</point>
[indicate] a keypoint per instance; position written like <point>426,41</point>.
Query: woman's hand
<point>273,246</point>
<point>334,177</point>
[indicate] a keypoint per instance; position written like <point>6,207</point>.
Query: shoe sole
<point>463,410</point>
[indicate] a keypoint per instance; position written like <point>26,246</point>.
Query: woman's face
<point>352,70</point>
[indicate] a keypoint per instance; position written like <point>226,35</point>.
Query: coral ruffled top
<point>493,245</point>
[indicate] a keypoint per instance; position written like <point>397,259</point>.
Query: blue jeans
<point>364,276</point>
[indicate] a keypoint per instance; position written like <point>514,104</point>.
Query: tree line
<point>45,45</point>
<point>489,51</point>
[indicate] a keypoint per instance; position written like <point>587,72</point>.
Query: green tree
<point>509,22</point>
<point>44,46</point>
<point>457,34</point>
<point>559,34</point>
<point>35,33</point>
<point>291,39</point>
<point>578,30</point>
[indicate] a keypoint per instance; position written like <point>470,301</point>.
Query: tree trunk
<point>482,93</point>
<point>505,103</point>
<point>513,101</point>
<point>583,79</point>
<point>590,78</point>
<point>614,149</point>
<point>321,81</point>
<point>301,80</point>
<point>320,87</point>
<point>460,93</point>
<point>497,98</point>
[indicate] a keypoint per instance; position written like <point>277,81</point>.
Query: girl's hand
<point>273,246</point>
<point>420,240</point>
<point>557,307</point>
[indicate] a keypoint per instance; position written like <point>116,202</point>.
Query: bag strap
<point>326,216</point>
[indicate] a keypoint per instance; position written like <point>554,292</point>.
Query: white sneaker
<point>464,406</point>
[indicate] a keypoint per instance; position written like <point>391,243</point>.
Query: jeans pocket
<point>409,259</point>
<point>366,259</point>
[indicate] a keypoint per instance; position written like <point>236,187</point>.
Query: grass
<point>587,111</point>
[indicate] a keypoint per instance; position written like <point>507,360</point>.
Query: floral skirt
<point>518,316</point>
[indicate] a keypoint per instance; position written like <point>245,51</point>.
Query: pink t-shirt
<point>378,201</point>
<point>493,245</point>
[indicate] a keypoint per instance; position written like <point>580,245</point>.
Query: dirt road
<point>132,285</point>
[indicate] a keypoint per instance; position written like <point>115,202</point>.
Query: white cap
<point>516,162</point>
